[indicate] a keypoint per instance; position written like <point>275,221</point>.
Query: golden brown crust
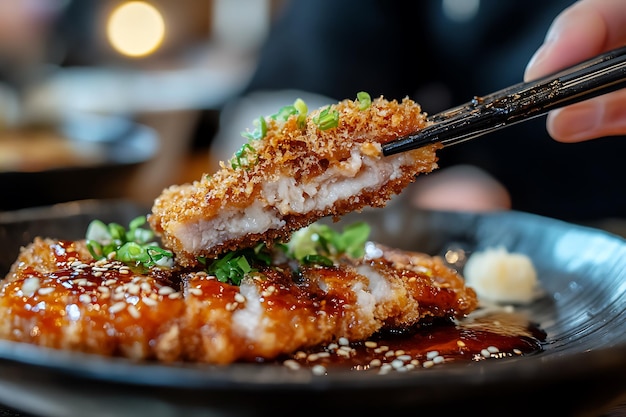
<point>297,161</point>
<point>73,302</point>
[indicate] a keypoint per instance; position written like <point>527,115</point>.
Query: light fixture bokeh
<point>135,29</point>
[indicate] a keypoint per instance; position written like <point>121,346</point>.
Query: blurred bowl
<point>85,156</point>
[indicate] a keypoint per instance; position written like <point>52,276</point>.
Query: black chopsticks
<point>600,75</point>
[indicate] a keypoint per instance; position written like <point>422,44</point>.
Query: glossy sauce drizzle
<point>484,335</point>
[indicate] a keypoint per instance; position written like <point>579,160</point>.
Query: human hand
<point>585,29</point>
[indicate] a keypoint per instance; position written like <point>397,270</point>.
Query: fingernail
<point>535,62</point>
<point>554,31</point>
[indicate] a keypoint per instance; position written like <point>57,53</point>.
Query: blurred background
<point>114,98</point>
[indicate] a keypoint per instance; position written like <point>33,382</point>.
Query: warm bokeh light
<point>136,29</point>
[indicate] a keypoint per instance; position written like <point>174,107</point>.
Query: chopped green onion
<point>318,260</point>
<point>353,238</point>
<point>133,246</point>
<point>284,113</point>
<point>327,118</point>
<point>259,132</point>
<point>234,266</point>
<point>132,252</point>
<point>230,268</point>
<point>364,100</point>
<point>302,110</point>
<point>321,240</point>
<point>242,157</point>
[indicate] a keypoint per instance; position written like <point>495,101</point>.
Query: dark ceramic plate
<point>581,370</point>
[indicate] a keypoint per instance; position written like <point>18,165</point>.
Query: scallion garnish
<point>364,100</point>
<point>302,110</point>
<point>234,266</point>
<point>134,245</point>
<point>317,260</point>
<point>284,113</point>
<point>243,157</point>
<point>259,131</point>
<point>327,118</point>
<point>319,241</point>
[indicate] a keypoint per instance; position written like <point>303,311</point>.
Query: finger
<point>594,118</point>
<point>583,30</point>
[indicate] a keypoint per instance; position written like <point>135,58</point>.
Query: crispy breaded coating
<point>73,302</point>
<point>292,177</point>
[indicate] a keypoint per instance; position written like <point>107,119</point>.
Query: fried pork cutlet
<point>291,174</point>
<point>56,295</point>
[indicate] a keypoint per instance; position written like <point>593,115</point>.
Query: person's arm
<point>585,29</point>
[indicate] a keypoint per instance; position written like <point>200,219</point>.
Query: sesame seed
<point>385,368</point>
<point>30,285</point>
<point>133,289</point>
<point>166,290</point>
<point>428,364</point>
<point>133,311</point>
<point>397,363</point>
<point>84,298</point>
<point>342,352</point>
<point>117,307</point>
<point>174,295</point>
<point>240,298</point>
<point>195,291</point>
<point>318,370</point>
<point>118,296</point>
<point>149,301</point>
<point>404,358</point>
<point>370,344</point>
<point>431,354</point>
<point>517,351</point>
<point>493,349</point>
<point>343,341</point>
<point>312,357</point>
<point>375,362</point>
<point>485,353</point>
<point>291,364</point>
<point>110,282</point>
<point>44,291</point>
<point>438,359</point>
<point>104,290</point>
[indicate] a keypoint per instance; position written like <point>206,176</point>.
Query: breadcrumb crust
<point>294,167</point>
